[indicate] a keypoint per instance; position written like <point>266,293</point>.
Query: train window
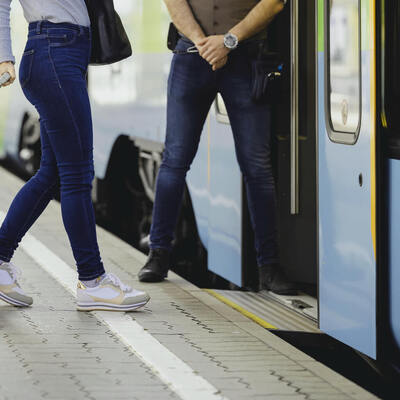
<point>391,67</point>
<point>343,70</point>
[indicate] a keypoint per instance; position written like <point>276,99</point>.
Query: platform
<point>185,344</point>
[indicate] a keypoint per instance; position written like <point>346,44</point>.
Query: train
<point>336,141</point>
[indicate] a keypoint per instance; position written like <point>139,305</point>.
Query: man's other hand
<point>212,49</point>
<point>219,64</point>
<point>8,67</point>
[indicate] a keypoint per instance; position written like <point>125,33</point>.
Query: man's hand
<point>219,64</point>
<point>212,49</point>
<point>8,67</point>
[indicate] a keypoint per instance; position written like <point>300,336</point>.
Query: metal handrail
<point>294,113</point>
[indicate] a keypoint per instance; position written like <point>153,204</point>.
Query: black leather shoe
<point>271,277</point>
<point>156,267</point>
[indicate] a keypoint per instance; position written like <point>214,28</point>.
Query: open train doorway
<point>295,140</point>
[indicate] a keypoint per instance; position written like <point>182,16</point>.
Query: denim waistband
<point>39,27</point>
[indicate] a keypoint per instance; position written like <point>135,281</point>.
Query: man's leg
<point>191,91</point>
<point>251,130</point>
<point>252,133</point>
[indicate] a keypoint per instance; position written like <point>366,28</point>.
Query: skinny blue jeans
<point>192,88</point>
<point>53,78</point>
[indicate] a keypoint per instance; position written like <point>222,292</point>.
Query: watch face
<point>230,41</point>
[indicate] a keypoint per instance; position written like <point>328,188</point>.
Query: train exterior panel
<point>347,266</point>
<point>394,252</point>
<point>226,202</point>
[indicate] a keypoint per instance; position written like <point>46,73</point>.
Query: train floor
<point>185,344</point>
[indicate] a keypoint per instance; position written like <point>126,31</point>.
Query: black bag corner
<point>173,37</point>
<point>110,43</point>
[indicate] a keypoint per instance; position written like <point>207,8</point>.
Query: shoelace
<point>13,270</point>
<point>117,282</point>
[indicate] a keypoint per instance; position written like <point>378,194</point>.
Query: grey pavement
<point>51,351</point>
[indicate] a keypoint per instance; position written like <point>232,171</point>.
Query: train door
<point>389,135</point>
<point>346,182</point>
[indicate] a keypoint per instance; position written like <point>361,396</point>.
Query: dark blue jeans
<point>53,78</point>
<point>192,87</point>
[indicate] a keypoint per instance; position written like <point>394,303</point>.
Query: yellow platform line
<point>242,310</point>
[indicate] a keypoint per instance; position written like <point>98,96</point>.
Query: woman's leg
<point>30,201</point>
<point>53,71</point>
<point>65,112</point>
<point>69,128</point>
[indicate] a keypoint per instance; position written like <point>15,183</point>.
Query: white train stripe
<point>185,382</point>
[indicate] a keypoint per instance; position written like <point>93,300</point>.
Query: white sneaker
<point>10,291</point>
<point>110,294</point>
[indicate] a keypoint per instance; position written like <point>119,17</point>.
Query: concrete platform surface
<point>185,344</point>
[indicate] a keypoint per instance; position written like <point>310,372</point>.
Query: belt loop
<point>81,30</point>
<point>39,27</point>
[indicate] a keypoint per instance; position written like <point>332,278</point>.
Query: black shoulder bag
<point>110,42</point>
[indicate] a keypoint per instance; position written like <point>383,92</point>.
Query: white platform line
<point>182,379</point>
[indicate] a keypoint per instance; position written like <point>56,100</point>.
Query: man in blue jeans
<point>223,31</point>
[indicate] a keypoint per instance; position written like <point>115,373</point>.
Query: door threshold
<point>303,304</point>
<point>271,311</point>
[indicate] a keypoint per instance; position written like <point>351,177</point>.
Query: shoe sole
<point>109,307</point>
<point>12,301</point>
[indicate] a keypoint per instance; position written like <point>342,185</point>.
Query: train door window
<point>391,67</point>
<point>343,74</point>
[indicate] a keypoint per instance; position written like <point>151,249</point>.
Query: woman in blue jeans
<point>53,78</point>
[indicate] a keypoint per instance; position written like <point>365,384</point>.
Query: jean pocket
<point>61,37</point>
<point>25,68</point>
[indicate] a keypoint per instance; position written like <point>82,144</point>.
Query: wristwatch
<point>231,41</point>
